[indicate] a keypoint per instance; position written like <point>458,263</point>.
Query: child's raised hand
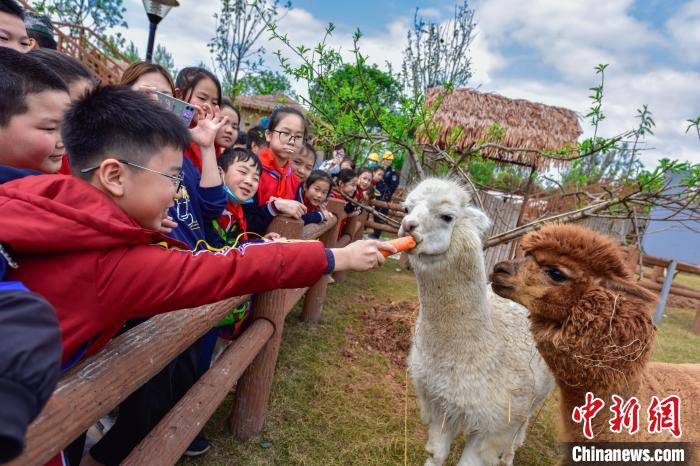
<point>361,255</point>
<point>208,125</point>
<point>290,208</point>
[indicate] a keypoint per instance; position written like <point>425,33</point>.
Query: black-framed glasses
<point>176,180</point>
<point>288,138</point>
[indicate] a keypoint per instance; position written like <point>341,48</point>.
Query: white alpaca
<point>473,362</point>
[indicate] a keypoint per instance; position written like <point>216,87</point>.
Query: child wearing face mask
<point>240,170</point>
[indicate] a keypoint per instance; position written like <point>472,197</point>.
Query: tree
<point>97,15</point>
<point>438,54</point>
<point>165,59</point>
<point>132,52</point>
<point>239,25</point>
<point>386,92</point>
<point>265,82</point>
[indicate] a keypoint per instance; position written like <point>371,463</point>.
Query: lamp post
<point>156,10</point>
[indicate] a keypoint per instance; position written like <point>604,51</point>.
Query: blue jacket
<point>258,217</point>
<point>196,208</point>
<point>11,173</point>
<point>8,173</point>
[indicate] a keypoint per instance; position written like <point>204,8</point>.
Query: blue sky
<point>541,50</point>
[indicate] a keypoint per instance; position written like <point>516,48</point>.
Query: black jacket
<point>30,357</point>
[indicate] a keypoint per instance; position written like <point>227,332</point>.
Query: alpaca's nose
<point>505,267</point>
<point>409,224</point>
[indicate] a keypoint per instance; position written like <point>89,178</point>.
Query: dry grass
<point>339,403</point>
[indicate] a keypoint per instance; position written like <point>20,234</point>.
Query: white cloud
<point>570,38</point>
<point>684,27</point>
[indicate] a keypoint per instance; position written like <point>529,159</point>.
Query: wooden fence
<point>89,48</point>
<point>98,384</point>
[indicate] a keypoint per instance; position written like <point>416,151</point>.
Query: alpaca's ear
<point>630,289</point>
<point>478,219</point>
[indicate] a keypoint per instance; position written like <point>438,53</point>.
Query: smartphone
<point>179,107</point>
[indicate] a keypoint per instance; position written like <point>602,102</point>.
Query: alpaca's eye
<point>447,218</point>
<point>556,275</point>
<point>406,209</point>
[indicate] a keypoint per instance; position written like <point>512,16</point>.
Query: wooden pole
<point>523,207</point>
<point>656,273</point>
<point>95,386</point>
<point>253,390</point>
<point>166,443</point>
<point>313,302</point>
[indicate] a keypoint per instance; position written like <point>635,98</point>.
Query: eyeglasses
<point>287,138</point>
<point>176,180</point>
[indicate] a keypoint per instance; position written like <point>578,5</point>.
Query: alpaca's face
<point>435,209</point>
<point>544,284</point>
<point>562,267</point>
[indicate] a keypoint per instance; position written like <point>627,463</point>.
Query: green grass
<point>336,402</point>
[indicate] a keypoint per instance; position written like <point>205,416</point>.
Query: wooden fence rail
<point>97,385</point>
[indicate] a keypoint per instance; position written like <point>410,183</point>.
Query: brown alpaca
<point>592,325</point>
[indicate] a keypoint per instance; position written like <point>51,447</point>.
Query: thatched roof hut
<point>255,107</point>
<point>528,125</point>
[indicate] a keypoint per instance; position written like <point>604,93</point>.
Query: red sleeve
<point>266,187</point>
<point>65,167</point>
<point>147,280</point>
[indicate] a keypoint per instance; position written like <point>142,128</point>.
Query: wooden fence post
<point>656,273</point>
<point>253,389</point>
<point>313,302</point>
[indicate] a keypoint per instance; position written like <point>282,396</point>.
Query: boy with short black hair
<point>40,31</point>
<point>33,100</point>
<point>97,235</point>
<point>13,33</point>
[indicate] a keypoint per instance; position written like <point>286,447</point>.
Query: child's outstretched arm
<point>146,280</point>
<point>361,255</point>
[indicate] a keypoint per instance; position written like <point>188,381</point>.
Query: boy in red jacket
<point>91,247</point>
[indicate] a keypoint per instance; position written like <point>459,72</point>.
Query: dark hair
<point>363,170</point>
<point>11,7</point>
<point>117,121</point>
<point>45,41</point>
<point>226,102</point>
<point>256,135</point>
<point>346,174</point>
<point>188,78</point>
<point>20,76</point>
<point>348,159</point>
<point>242,138</point>
<point>377,169</point>
<point>138,69</point>
<point>68,68</point>
<point>318,175</point>
<point>279,112</point>
<point>310,148</point>
<point>239,154</point>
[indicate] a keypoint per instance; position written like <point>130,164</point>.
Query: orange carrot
<point>401,244</point>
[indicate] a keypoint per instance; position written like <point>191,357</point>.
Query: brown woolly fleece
<point>595,331</point>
